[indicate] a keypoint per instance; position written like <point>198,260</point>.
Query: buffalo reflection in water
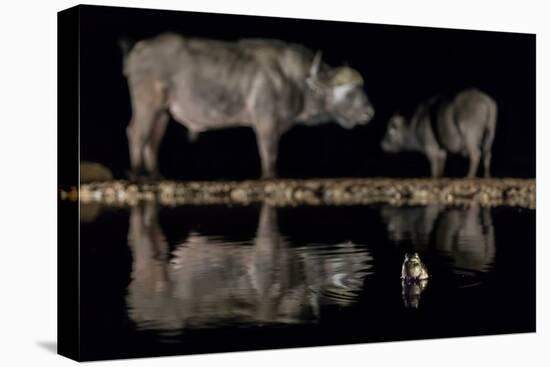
<point>465,236</point>
<point>207,281</point>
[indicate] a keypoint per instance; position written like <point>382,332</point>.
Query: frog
<point>413,268</point>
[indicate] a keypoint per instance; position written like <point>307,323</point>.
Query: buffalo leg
<point>472,147</point>
<point>148,100</point>
<point>433,164</point>
<point>268,141</point>
<point>474,154</point>
<point>150,152</point>
<point>487,145</point>
<point>437,162</point>
<point>136,142</point>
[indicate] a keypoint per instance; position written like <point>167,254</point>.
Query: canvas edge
<point>68,309</point>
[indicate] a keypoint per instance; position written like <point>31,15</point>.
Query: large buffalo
<point>204,84</point>
<point>464,123</point>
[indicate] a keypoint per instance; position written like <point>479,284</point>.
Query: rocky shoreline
<point>289,192</point>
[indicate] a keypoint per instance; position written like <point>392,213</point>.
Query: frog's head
<point>412,257</point>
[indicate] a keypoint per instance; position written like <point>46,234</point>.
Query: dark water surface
<point>195,279</point>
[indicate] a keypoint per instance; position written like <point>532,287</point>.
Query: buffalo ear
<point>393,123</point>
<point>313,80</point>
<point>396,121</point>
<point>315,64</point>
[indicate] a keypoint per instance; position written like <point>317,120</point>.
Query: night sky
<point>402,66</point>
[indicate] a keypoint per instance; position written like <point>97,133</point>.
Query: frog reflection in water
<point>414,280</point>
<point>412,291</point>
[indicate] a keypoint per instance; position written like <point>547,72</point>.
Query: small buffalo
<point>267,85</point>
<point>463,124</point>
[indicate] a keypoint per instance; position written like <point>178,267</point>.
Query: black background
<point>401,66</point>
